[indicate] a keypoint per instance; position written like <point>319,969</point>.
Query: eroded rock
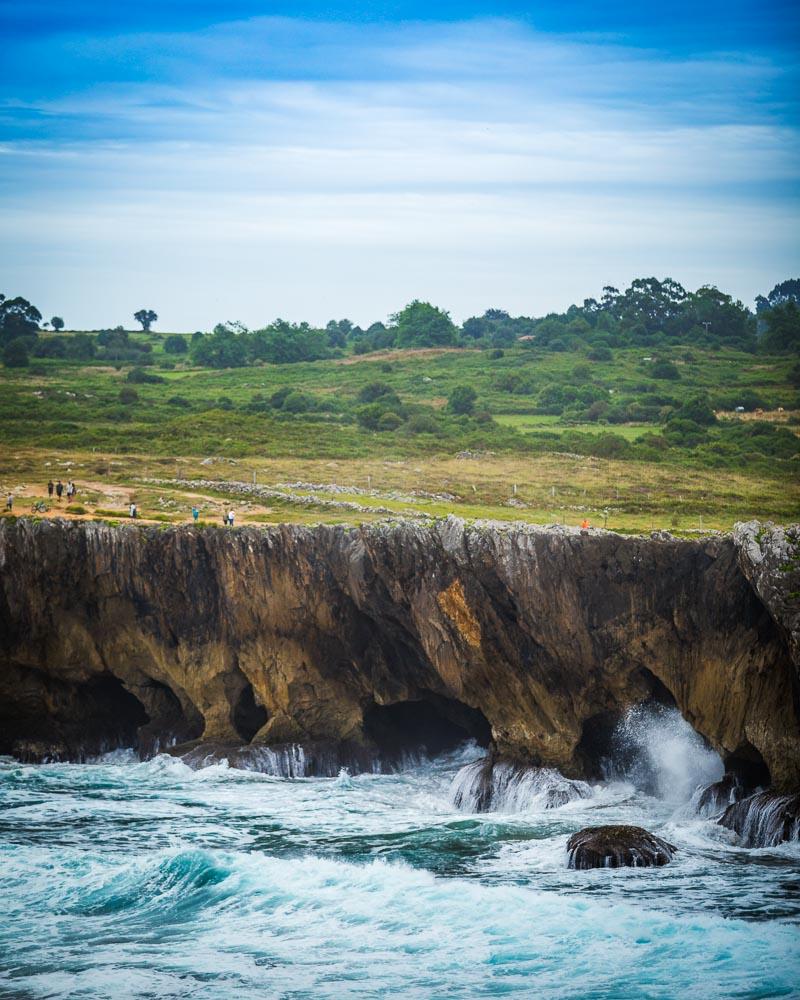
<point>303,635</point>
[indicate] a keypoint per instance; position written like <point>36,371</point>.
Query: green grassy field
<point>116,433</point>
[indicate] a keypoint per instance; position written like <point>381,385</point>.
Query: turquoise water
<point>124,879</point>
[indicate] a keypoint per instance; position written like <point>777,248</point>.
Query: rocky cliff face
<point>533,639</point>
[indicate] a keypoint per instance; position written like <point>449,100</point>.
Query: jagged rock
<point>618,847</point>
<point>518,635</point>
<point>764,819</point>
<point>769,556</point>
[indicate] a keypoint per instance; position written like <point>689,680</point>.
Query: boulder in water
<point>764,819</point>
<point>617,847</point>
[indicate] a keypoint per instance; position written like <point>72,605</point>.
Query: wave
<point>210,924</point>
<point>487,785</point>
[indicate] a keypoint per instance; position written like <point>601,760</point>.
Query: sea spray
<point>657,750</point>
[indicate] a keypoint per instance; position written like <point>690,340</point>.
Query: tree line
<point>650,314</point>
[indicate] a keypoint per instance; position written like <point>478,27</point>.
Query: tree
<point>462,399</point>
<point>786,291</point>
<point>57,323</point>
<point>224,348</point>
<point>175,344</point>
<point>15,354</point>
<point>18,318</point>
<point>146,317</point>
<point>783,328</point>
<point>422,325</point>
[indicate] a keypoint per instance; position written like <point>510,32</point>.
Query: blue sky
<point>245,160</point>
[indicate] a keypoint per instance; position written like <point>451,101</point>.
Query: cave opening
<point>651,745</point>
<point>747,764</point>
<point>67,720</point>
<point>247,715</point>
<point>431,723</point>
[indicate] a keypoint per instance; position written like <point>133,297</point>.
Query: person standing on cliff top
<point>59,490</point>
<point>195,514</point>
<point>50,488</point>
<point>10,501</point>
<point>230,518</point>
<point>133,510</point>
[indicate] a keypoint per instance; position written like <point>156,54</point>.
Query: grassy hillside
<point>573,435</point>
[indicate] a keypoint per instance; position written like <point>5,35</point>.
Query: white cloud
<point>488,167</point>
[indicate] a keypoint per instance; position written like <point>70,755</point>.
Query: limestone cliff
<point>534,638</point>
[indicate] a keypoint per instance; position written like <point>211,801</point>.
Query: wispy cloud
<point>280,166</point>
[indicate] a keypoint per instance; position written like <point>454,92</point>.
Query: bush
<point>75,508</point>
<point>389,421</point>
<point>176,345</point>
<point>374,391</point>
<point>423,423</point>
<point>698,409</point>
<point>179,401</point>
<point>138,376</point>
<point>15,354</point>
<point>497,353</point>
<point>665,370</point>
<point>128,396</point>
<point>601,353</point>
<point>462,399</point>
<point>297,402</point>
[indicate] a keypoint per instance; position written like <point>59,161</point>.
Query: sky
<point>244,160</point>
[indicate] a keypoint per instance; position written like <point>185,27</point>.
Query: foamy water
<point>124,879</point>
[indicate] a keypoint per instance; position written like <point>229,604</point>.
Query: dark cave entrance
<point>248,716</point>
<point>747,764</point>
<point>431,724</point>
<point>64,720</point>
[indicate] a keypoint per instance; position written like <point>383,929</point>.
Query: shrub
<point>138,376</point>
<point>423,423</point>
<point>665,370</point>
<point>601,353</point>
<point>389,421</point>
<point>374,391</point>
<point>176,345</point>
<point>462,399</point>
<point>179,401</point>
<point>75,508</point>
<point>297,402</point>
<point>15,354</point>
<point>128,395</point>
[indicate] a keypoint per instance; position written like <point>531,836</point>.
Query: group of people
<point>59,489</point>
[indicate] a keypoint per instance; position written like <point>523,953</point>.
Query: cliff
<point>536,639</point>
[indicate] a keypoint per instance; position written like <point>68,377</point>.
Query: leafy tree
<point>287,343</point>
<point>782,328</point>
<point>462,399</point>
<point>786,291</point>
<point>175,344</point>
<point>422,325</point>
<point>146,317</point>
<point>224,348</point>
<point>15,353</point>
<point>57,323</point>
<point>18,318</point>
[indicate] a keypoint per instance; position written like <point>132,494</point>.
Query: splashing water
<point>504,787</point>
<point>657,750</point>
<point>131,880</point>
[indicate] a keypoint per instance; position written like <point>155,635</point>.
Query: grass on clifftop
<point>508,459</point>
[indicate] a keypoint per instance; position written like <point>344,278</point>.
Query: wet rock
<point>490,785</point>
<point>765,819</point>
<point>618,847</point>
<point>714,799</point>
